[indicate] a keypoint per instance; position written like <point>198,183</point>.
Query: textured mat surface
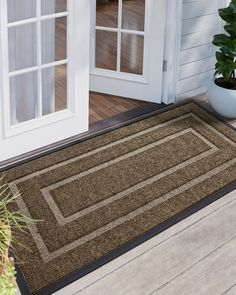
<point>100,194</point>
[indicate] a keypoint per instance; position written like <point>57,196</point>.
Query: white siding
<point>200,21</point>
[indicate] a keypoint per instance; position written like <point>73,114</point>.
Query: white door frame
<point>172,50</point>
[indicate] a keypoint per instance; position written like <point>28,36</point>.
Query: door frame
<point>172,51</point>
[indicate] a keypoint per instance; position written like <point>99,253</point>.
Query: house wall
<point>200,21</point>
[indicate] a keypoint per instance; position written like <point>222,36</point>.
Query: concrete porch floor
<point>195,257</point>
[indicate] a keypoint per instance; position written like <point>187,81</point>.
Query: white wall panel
<point>200,21</point>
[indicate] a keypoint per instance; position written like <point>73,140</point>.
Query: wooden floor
<point>103,106</point>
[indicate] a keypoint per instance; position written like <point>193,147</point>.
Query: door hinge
<point>165,64</point>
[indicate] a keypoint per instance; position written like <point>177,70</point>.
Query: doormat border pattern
<point>140,239</point>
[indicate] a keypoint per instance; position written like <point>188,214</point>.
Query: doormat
<point>102,197</point>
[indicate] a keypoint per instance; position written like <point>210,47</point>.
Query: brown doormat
<point>103,196</point>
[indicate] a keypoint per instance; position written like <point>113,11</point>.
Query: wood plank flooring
<point>103,106</point>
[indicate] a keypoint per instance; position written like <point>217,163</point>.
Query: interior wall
<point>200,21</point>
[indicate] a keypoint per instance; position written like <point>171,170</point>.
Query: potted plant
<point>222,90</point>
<point>11,223</point>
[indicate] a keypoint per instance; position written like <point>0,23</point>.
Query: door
<point>127,48</point>
<point>44,73</point>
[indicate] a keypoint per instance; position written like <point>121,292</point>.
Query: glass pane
<point>53,6</point>
<point>133,15</point>
<point>107,13</point>
<point>21,9</point>
<point>54,89</point>
<point>22,47</point>
<point>54,39</point>
<point>106,50</point>
<point>23,97</point>
<point>132,54</point>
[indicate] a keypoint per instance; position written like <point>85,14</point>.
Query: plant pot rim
<point>226,89</point>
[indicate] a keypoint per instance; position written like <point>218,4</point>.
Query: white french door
<point>44,73</point>
<point>127,48</point>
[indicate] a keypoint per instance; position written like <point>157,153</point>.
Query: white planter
<point>222,100</point>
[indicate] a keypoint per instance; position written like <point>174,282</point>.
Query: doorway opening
<point>117,58</point>
<point>127,48</point>
<point>122,64</point>
<point>101,105</point>
<point>124,72</point>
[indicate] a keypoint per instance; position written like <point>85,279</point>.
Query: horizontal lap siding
<point>200,21</point>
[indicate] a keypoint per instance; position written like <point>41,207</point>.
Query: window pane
<point>54,89</point>
<point>106,50</point>
<point>133,15</point>
<point>54,39</point>
<point>23,97</point>
<point>22,47</point>
<point>132,54</point>
<point>107,13</point>
<point>21,9</point>
<point>53,6</point>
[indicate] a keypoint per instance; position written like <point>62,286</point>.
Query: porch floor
<point>103,106</point>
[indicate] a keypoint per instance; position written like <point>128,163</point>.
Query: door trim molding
<point>172,50</point>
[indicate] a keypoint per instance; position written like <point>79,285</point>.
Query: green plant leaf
<point>231,29</point>
<point>226,42</point>
<point>221,39</point>
<point>225,65</point>
<point>227,15</point>
<point>232,6</point>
